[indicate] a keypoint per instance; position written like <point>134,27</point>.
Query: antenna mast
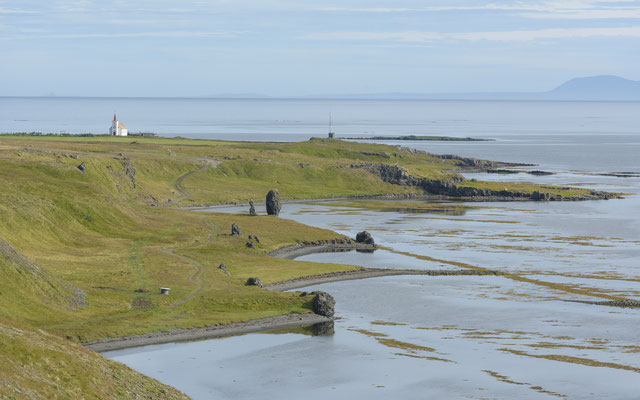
<point>331,134</point>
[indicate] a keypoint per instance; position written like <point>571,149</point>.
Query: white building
<point>117,128</point>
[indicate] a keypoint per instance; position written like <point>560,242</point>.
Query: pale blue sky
<point>301,47</point>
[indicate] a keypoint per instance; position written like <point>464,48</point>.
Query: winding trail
<point>177,184</point>
<point>196,276</point>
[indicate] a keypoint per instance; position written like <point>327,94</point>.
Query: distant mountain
<point>594,88</point>
<point>603,87</point>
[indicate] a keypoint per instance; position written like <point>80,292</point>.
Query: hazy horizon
<point>191,48</point>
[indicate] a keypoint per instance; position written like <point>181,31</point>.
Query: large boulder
<point>364,237</point>
<point>235,230</point>
<point>324,304</point>
<point>273,203</point>
<point>254,282</point>
<point>252,209</point>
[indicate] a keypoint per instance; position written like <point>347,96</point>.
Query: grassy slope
<point>38,365</point>
<point>98,232</point>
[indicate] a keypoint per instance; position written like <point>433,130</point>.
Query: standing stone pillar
<point>273,203</point>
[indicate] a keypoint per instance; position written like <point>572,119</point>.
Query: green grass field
<point>83,254</point>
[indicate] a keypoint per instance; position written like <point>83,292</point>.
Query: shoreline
<point>280,321</point>
<point>207,332</point>
<point>452,199</point>
<point>366,273</point>
<point>303,249</point>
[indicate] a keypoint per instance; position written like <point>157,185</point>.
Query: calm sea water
<point>585,136</point>
<point>427,337</point>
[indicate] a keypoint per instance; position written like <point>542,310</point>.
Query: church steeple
<point>114,117</point>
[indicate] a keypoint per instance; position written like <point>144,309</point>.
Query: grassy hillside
<point>83,251</point>
<point>38,365</point>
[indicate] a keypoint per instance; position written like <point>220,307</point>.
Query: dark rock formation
<point>252,209</point>
<point>364,237</point>
<point>324,304</point>
<point>538,172</point>
<point>273,203</point>
<point>129,169</point>
<point>538,196</point>
<point>224,269</point>
<point>83,167</point>
<point>235,230</point>
<point>250,245</point>
<point>254,237</point>
<point>254,282</point>
<point>399,176</point>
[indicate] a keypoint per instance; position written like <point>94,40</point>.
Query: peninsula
<point>93,227</point>
<point>417,138</point>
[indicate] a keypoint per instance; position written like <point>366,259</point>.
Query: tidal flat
<point>522,335</point>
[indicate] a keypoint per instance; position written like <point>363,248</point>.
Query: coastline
<point>207,332</point>
<point>303,249</point>
<point>453,199</point>
<point>281,321</point>
<point>365,273</point>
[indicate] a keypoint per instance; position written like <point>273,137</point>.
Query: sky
<point>193,48</point>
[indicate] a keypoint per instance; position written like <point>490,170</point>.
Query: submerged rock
<point>324,304</point>
<point>364,237</point>
<point>254,282</point>
<point>273,203</point>
<point>235,230</point>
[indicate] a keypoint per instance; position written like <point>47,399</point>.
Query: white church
<point>117,128</point>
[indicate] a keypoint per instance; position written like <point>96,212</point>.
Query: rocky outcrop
<point>538,196</point>
<point>252,209</point>
<point>324,304</point>
<point>364,237</point>
<point>224,269</point>
<point>254,282</point>
<point>235,230</point>
<point>273,203</point>
<point>539,173</point>
<point>129,169</point>
<point>399,176</point>
<point>250,245</point>
<point>255,237</point>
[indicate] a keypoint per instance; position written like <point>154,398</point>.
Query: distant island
<point>414,137</point>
